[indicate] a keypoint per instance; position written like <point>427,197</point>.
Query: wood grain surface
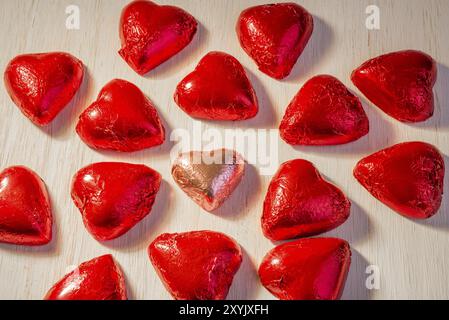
<point>412,256</point>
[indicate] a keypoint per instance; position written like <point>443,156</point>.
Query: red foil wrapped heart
<point>151,34</point>
<point>218,89</point>
<point>300,203</point>
<point>399,83</point>
<point>96,279</point>
<point>113,197</point>
<point>122,119</point>
<point>407,177</point>
<point>324,112</point>
<point>198,265</point>
<point>25,212</point>
<point>274,36</point>
<point>307,269</point>
<point>208,177</point>
<point>42,84</point>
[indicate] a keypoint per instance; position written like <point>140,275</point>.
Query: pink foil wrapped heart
<point>208,177</point>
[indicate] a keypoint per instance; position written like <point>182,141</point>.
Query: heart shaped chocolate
<point>274,36</point>
<point>42,84</point>
<point>307,269</point>
<point>151,34</point>
<point>25,213</point>
<point>399,83</point>
<point>300,203</point>
<point>197,265</point>
<point>218,89</point>
<point>407,177</point>
<point>208,177</point>
<point>122,119</point>
<point>96,279</point>
<point>113,197</point>
<point>324,112</point>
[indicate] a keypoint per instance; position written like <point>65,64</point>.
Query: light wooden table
<point>412,256</point>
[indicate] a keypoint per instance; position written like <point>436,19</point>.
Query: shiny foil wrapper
<point>209,177</point>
